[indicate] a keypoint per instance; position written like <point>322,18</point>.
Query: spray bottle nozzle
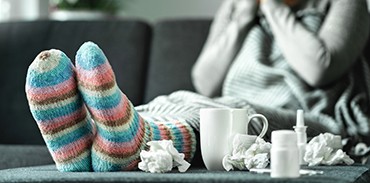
<point>300,118</point>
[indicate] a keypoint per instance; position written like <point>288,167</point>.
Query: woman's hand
<point>320,58</point>
<point>231,12</point>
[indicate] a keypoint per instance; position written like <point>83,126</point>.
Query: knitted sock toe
<point>58,109</point>
<point>121,132</point>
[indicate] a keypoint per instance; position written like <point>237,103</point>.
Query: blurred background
<point>148,10</point>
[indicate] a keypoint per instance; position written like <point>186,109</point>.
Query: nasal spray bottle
<point>300,130</point>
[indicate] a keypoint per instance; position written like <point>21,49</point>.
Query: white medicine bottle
<point>284,154</point>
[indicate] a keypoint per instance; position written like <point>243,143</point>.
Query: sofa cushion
<point>12,156</point>
<point>332,174</point>
<point>126,44</point>
<point>175,47</point>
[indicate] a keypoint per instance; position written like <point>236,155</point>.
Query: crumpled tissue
<point>162,157</point>
<point>247,155</point>
<point>326,149</point>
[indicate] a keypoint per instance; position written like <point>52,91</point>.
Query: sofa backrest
<point>125,43</point>
<point>175,47</point>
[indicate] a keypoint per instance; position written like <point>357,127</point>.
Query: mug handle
<point>264,121</point>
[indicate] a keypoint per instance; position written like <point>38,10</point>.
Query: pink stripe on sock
<point>122,148</point>
<point>164,132</point>
<point>43,93</point>
<point>60,121</point>
<point>105,74</point>
<point>184,131</point>
<point>187,139</point>
<point>73,149</point>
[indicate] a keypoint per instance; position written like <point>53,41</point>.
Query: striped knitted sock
<point>58,109</point>
<point>121,132</point>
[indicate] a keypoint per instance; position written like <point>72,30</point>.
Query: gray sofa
<point>149,60</point>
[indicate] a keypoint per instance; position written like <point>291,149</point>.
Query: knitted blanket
<point>261,80</point>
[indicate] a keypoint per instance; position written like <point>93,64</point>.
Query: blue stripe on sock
<point>101,103</point>
<point>156,131</point>
<point>90,56</point>
<point>67,138</point>
<point>102,165</point>
<point>57,75</point>
<point>49,114</point>
<point>83,165</point>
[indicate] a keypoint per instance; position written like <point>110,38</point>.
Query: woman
<point>271,57</point>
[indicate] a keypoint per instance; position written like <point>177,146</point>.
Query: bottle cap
<point>284,138</point>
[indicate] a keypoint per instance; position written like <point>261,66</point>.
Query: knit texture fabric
<point>121,132</point>
<point>58,109</point>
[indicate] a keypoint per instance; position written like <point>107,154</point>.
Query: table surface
<point>48,173</point>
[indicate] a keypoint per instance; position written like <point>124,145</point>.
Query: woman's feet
<point>121,133</point>
<point>58,109</point>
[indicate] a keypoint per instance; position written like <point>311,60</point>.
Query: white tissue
<point>326,149</point>
<point>245,156</point>
<point>162,157</point>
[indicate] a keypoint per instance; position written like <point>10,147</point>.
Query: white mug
<point>218,126</point>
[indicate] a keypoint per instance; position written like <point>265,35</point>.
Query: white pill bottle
<point>284,154</point>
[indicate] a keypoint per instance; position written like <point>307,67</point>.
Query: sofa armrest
<point>12,156</point>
